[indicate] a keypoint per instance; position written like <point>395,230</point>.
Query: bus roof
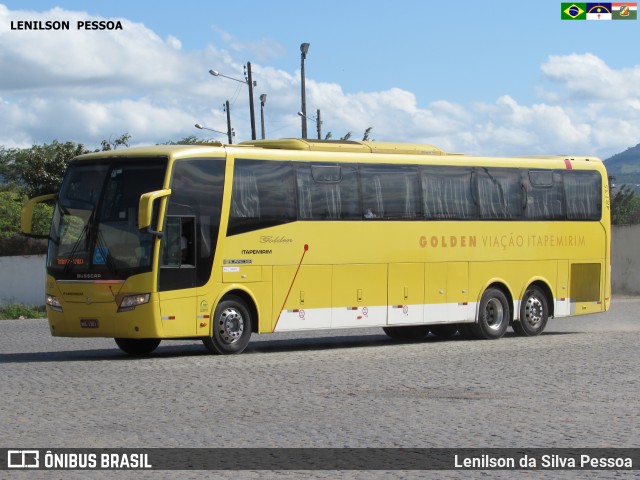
<point>346,146</point>
<point>342,146</point>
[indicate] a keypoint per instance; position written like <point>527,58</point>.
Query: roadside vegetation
<point>15,311</point>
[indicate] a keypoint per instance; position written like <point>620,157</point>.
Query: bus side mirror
<point>145,210</point>
<point>26,217</point>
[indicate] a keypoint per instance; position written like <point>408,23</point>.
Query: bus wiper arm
<point>84,234</point>
<point>101,245</point>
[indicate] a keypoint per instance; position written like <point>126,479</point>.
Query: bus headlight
<point>53,302</point>
<point>132,301</point>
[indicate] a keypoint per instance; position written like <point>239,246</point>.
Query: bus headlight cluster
<point>53,302</point>
<point>132,301</point>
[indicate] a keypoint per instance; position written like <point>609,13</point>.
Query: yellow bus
<point>216,242</point>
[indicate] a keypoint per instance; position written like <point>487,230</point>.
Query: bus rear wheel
<point>534,313</point>
<point>231,327</point>
<point>137,346</point>
<point>413,332</point>
<point>493,315</point>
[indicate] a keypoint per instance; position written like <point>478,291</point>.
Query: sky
<point>486,78</point>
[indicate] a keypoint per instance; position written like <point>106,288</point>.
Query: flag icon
<point>624,11</point>
<point>598,11</point>
<point>573,11</point>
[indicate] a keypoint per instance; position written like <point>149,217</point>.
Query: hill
<point>625,167</point>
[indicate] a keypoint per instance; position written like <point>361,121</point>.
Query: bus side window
<point>390,192</point>
<point>583,194</point>
<point>446,193</point>
<point>499,193</point>
<point>263,195</point>
<point>544,195</point>
<point>327,192</point>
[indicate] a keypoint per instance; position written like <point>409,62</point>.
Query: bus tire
<point>444,331</point>
<point>534,313</point>
<point>231,329</point>
<point>493,315</point>
<point>412,332</point>
<point>137,346</point>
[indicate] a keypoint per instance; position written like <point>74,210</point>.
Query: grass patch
<point>16,311</point>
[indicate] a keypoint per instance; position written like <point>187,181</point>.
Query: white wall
<point>625,260</point>
<point>22,280</point>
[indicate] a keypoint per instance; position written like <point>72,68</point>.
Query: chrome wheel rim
<point>533,312</point>
<point>494,314</point>
<point>231,325</point>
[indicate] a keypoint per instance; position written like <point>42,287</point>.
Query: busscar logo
<point>23,459</point>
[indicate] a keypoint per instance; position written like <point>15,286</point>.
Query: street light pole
<point>304,48</point>
<point>263,100</point>
<point>249,81</point>
<point>318,122</point>
<point>202,127</point>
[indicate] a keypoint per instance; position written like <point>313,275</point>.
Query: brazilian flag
<point>573,11</point>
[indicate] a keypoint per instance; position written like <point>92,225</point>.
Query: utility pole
<point>229,132</point>
<point>251,111</point>
<point>319,122</point>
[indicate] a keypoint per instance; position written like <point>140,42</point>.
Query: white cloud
<point>588,77</point>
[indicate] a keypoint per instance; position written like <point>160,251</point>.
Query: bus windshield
<point>94,231</point>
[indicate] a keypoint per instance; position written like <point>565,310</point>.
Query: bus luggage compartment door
<point>406,293</point>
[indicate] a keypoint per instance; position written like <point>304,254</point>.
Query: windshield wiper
<point>84,234</point>
<point>101,245</point>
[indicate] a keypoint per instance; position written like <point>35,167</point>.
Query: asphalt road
<point>577,385</point>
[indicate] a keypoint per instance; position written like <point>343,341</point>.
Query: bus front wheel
<point>534,313</point>
<point>493,315</point>
<point>231,330</point>
<point>137,346</point>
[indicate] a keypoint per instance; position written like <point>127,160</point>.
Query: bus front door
<point>177,280</point>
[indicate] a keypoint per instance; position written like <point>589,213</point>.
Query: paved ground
<point>577,385</point>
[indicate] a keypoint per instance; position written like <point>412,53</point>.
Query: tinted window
<point>583,194</point>
<point>263,195</point>
<point>446,193</point>
<point>499,193</point>
<point>95,224</point>
<point>544,195</point>
<point>390,192</point>
<point>327,192</point>
<point>194,210</point>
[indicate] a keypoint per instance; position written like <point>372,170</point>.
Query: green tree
<point>366,136</point>
<point>39,169</point>
<point>108,145</point>
<point>625,207</point>
<point>30,172</point>
<point>11,201</point>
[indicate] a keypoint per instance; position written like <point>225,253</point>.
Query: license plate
<point>89,322</point>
